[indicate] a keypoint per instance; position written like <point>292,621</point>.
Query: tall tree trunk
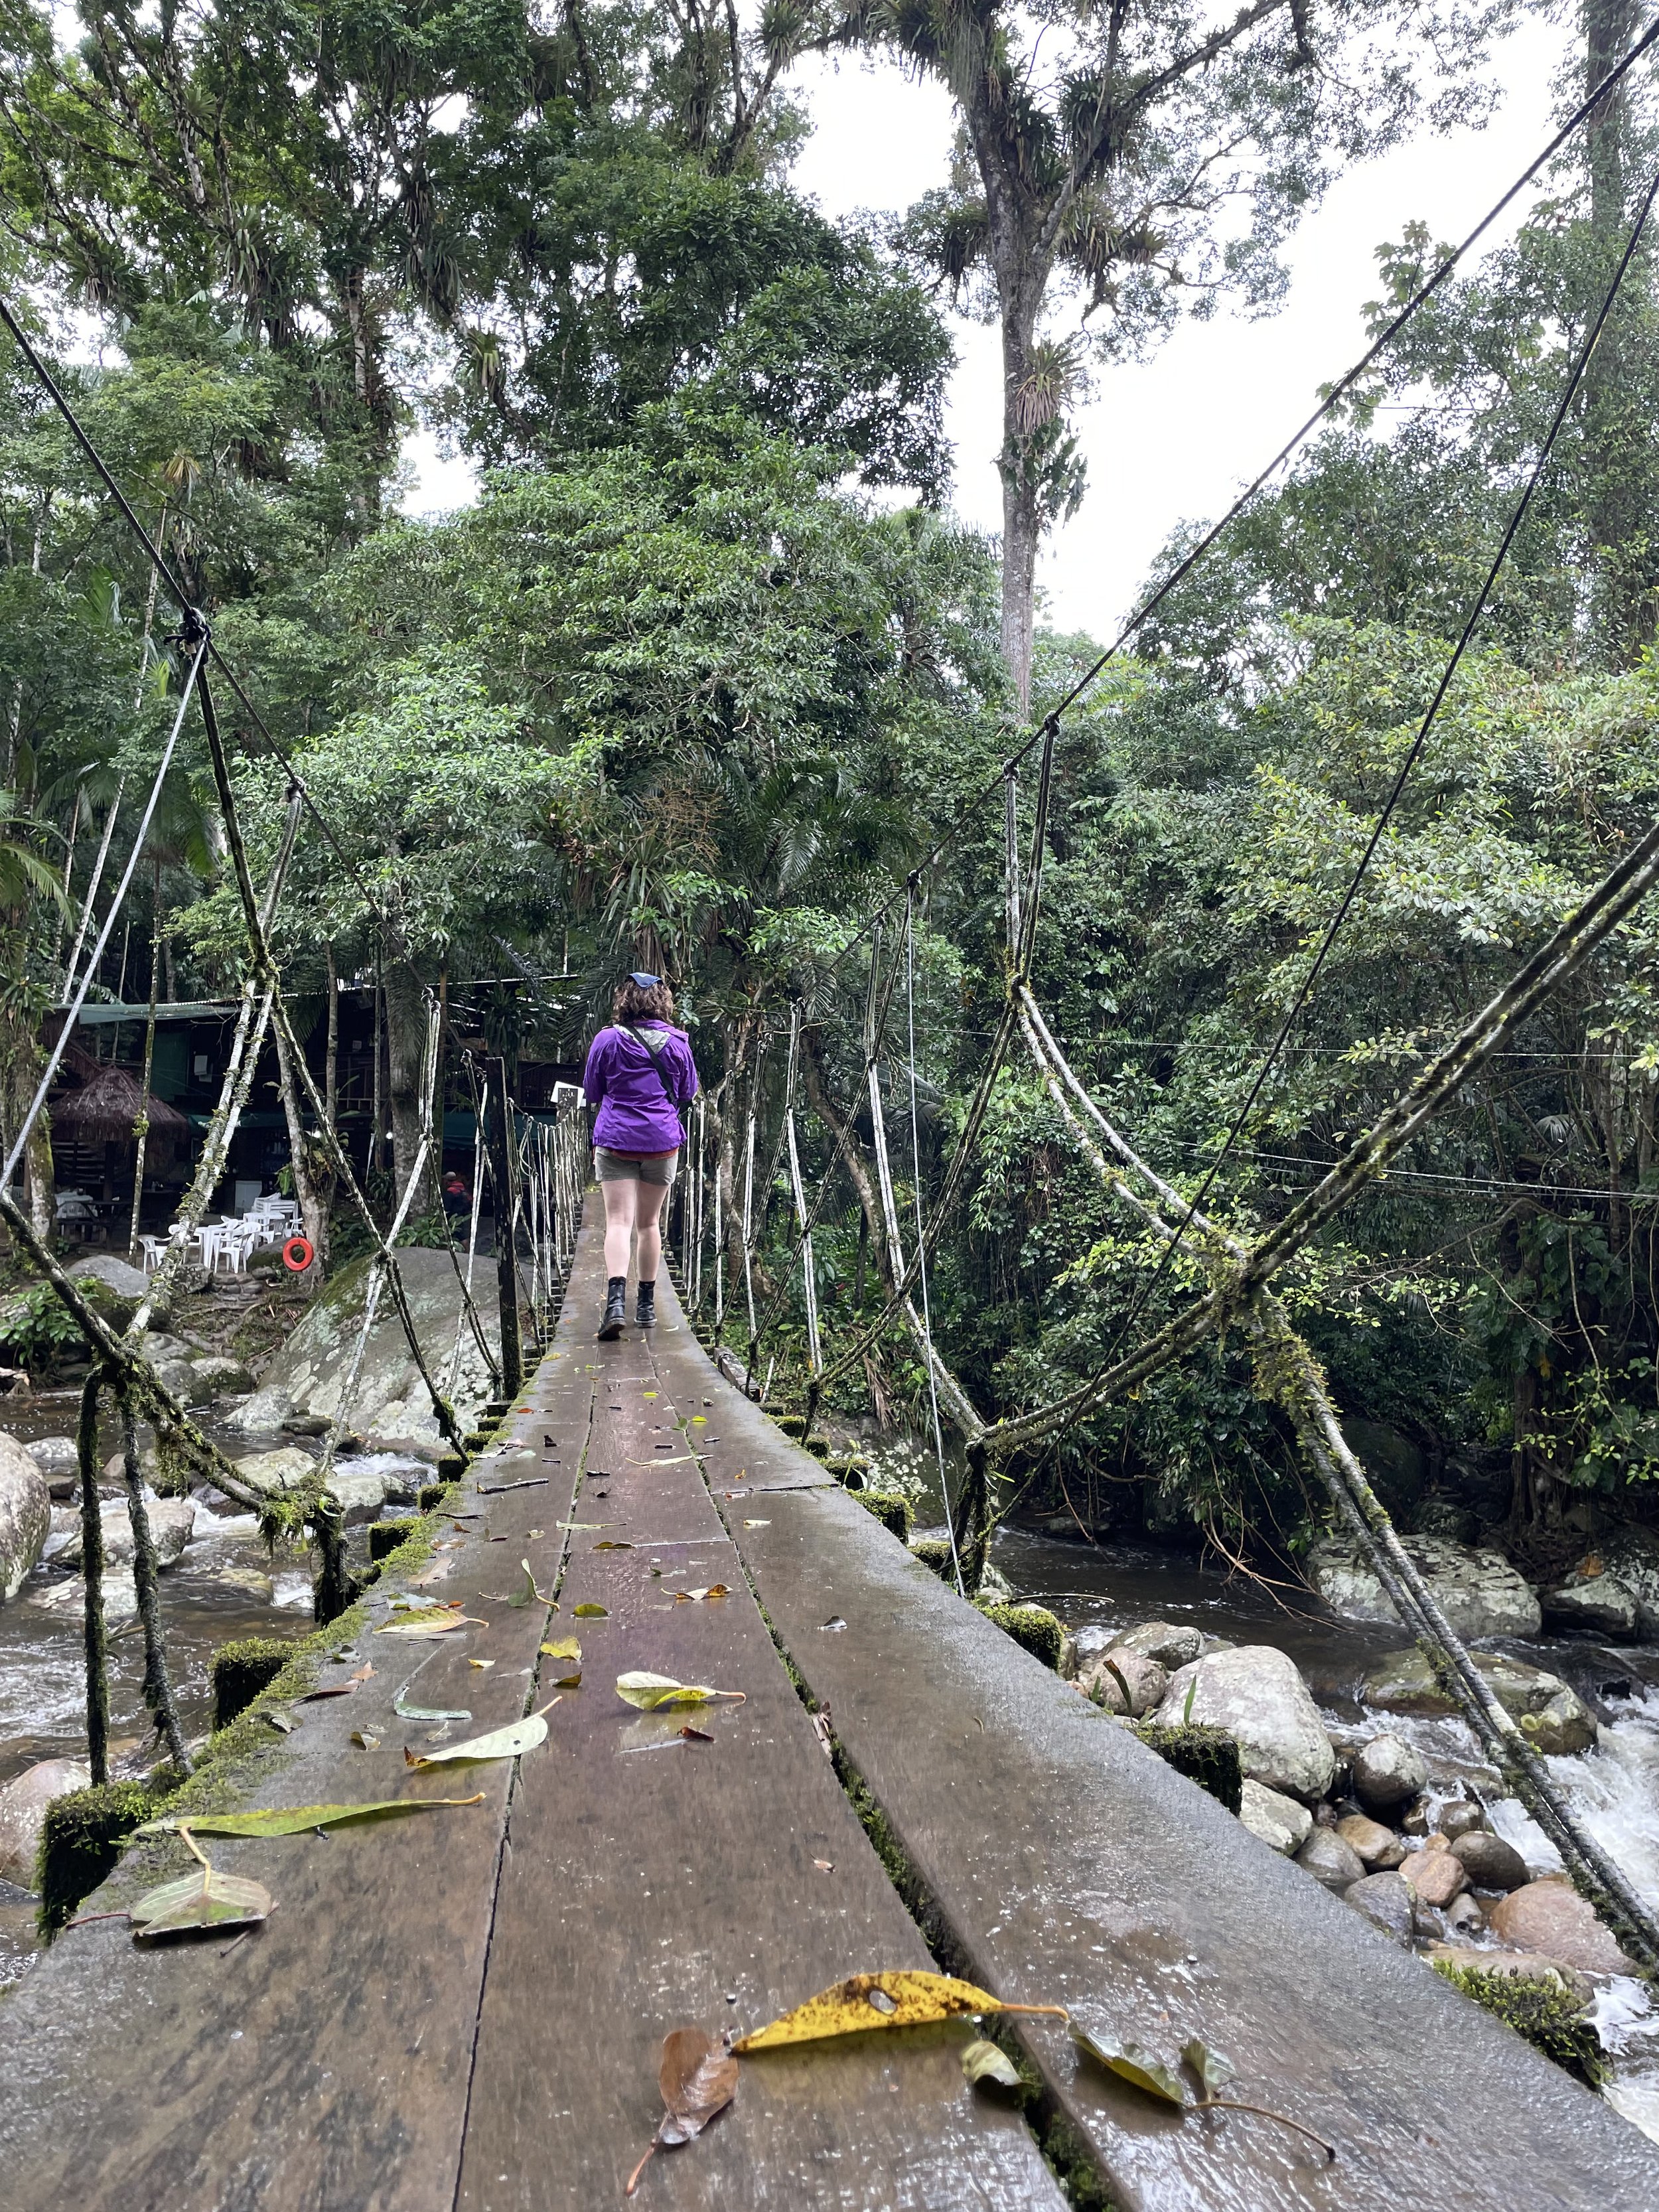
<point>1021,279</point>
<point>332,1063</point>
<point>405,1030</point>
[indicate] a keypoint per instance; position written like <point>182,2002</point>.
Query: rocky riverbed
<point>1357,1768</point>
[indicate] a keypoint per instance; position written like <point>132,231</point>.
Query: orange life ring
<point>297,1255</point>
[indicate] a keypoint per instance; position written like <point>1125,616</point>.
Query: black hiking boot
<point>616,1308</point>
<point>645,1313</point>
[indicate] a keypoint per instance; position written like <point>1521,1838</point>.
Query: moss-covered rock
<point>241,1670</point>
<point>1208,1756</point>
<point>793,1425</point>
<point>1033,1627</point>
<point>893,1508</point>
<point>1550,2019</point>
<point>850,1469</point>
<point>81,1840</point>
<point>934,1552</point>
<point>384,1536</point>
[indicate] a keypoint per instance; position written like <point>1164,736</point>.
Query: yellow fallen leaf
<point>566,1647</point>
<point>647,1692</point>
<point>903,1998</point>
<point>688,1597</point>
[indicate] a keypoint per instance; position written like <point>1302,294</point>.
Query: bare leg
<point>620,1200</point>
<point>653,1197</point>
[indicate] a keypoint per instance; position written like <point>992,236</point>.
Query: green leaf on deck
<point>1211,2069</point>
<point>564,1647</point>
<point>982,2061</point>
<point>206,1903</point>
<point>298,1819</point>
<point>500,1743</point>
<point>1130,2062</point>
<point>647,1692</point>
<point>610,1544</point>
<point>529,1590</point>
<point>432,1620</point>
<point>592,1612</point>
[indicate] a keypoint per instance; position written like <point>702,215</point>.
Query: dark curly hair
<point>633,1002</point>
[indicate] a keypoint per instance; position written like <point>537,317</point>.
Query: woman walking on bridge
<point>640,1072</point>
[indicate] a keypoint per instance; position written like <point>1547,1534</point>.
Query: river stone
<point>1592,1605</point>
<point>1554,1717</point>
<point>1463,1916</point>
<point>1489,1862</point>
<point>157,1347</point>
<point>1171,1646</point>
<point>25,1514</point>
<point>1550,1917</point>
<point>172,1523</point>
<point>361,1496</point>
<point>23,1803</point>
<point>1479,1592</point>
<point>249,1581</point>
<point>1388,1772</point>
<point>1434,1877</point>
<point>1255,1693</point>
<point>270,1472</point>
<point>389,1398</point>
<point>224,1378</point>
<point>1148,1682</point>
<point>267,1410</point>
<point>1461,1818</point>
<point>1282,1823</point>
<point>119,1599</point>
<point>1386,1901</point>
<point>54,1455</point>
<point>1379,1848</point>
<point>1631,1555</point>
<point>1329,1860</point>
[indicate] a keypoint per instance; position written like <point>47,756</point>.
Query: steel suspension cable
<point>921,1255</point>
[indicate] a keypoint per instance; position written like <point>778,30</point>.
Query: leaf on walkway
<point>483,1666</point>
<point>500,1743</point>
<point>757,1524</point>
<point>366,1739</point>
<point>436,1620</point>
<point>406,1712</point>
<point>564,1647</point>
<point>206,1903</point>
<point>982,2061</point>
<point>1211,2069</point>
<point>696,1734</point>
<point>1130,2062</point>
<point>298,1819</point>
<point>647,1692</point>
<point>592,1612</point>
<point>608,1545</point>
<point>529,1591</point>
<point>696,1596</point>
<point>903,1998</point>
<point>698,2079</point>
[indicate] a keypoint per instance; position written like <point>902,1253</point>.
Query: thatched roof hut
<point>103,1111</point>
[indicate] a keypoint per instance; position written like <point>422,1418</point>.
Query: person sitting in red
<point>640,1072</point>
<point>458,1199</point>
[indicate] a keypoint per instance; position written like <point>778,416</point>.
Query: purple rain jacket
<point>633,1091</point>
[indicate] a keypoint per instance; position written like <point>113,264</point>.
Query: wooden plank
<point>322,2062</point>
<point>651,1882</point>
<point>1071,1866</point>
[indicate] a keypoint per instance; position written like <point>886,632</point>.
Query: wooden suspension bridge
<point>466,2010</point>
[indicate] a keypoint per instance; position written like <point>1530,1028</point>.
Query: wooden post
<point>498,1140</point>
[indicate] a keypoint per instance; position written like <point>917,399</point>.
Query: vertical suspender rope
<point>471,1252</point>
<point>1011,833</point>
<point>749,1210</point>
<point>49,1074</point>
<point>921,1247</point>
<point>720,1259</point>
<point>809,1278</point>
<point>702,1178</point>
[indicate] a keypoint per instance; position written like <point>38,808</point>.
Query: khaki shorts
<point>633,1167</point>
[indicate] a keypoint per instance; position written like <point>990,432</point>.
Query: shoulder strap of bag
<point>655,1049</point>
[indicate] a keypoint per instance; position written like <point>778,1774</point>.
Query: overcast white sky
<point>1174,438</point>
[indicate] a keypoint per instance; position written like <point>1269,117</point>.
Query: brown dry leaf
<point>903,1998</point>
<point>698,2079</point>
<point>696,1734</point>
<point>696,1596</point>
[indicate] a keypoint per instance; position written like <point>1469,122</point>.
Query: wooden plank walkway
<point>464,2011</point>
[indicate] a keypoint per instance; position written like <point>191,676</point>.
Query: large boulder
<point>1631,1556</point>
<point>1553,1717</point>
<point>389,1399</point>
<point>1388,1772</point>
<point>1255,1693</point>
<point>1550,1917</point>
<point>25,1514</point>
<point>67,1600</point>
<point>361,1496</point>
<point>23,1803</point>
<point>266,1410</point>
<point>223,1378</point>
<point>186,1381</point>
<point>124,1287</point>
<point>1282,1823</point>
<point>55,1456</point>
<point>1479,1592</point>
<point>272,1472</point>
<point>1592,1605</point>
<point>172,1523</point>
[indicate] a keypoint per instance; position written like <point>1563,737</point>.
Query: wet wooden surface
<point>1070,1865</point>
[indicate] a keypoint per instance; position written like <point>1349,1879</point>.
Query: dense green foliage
<point>689,687</point>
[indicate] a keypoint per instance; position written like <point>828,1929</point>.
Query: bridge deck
<point>464,2010</point>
